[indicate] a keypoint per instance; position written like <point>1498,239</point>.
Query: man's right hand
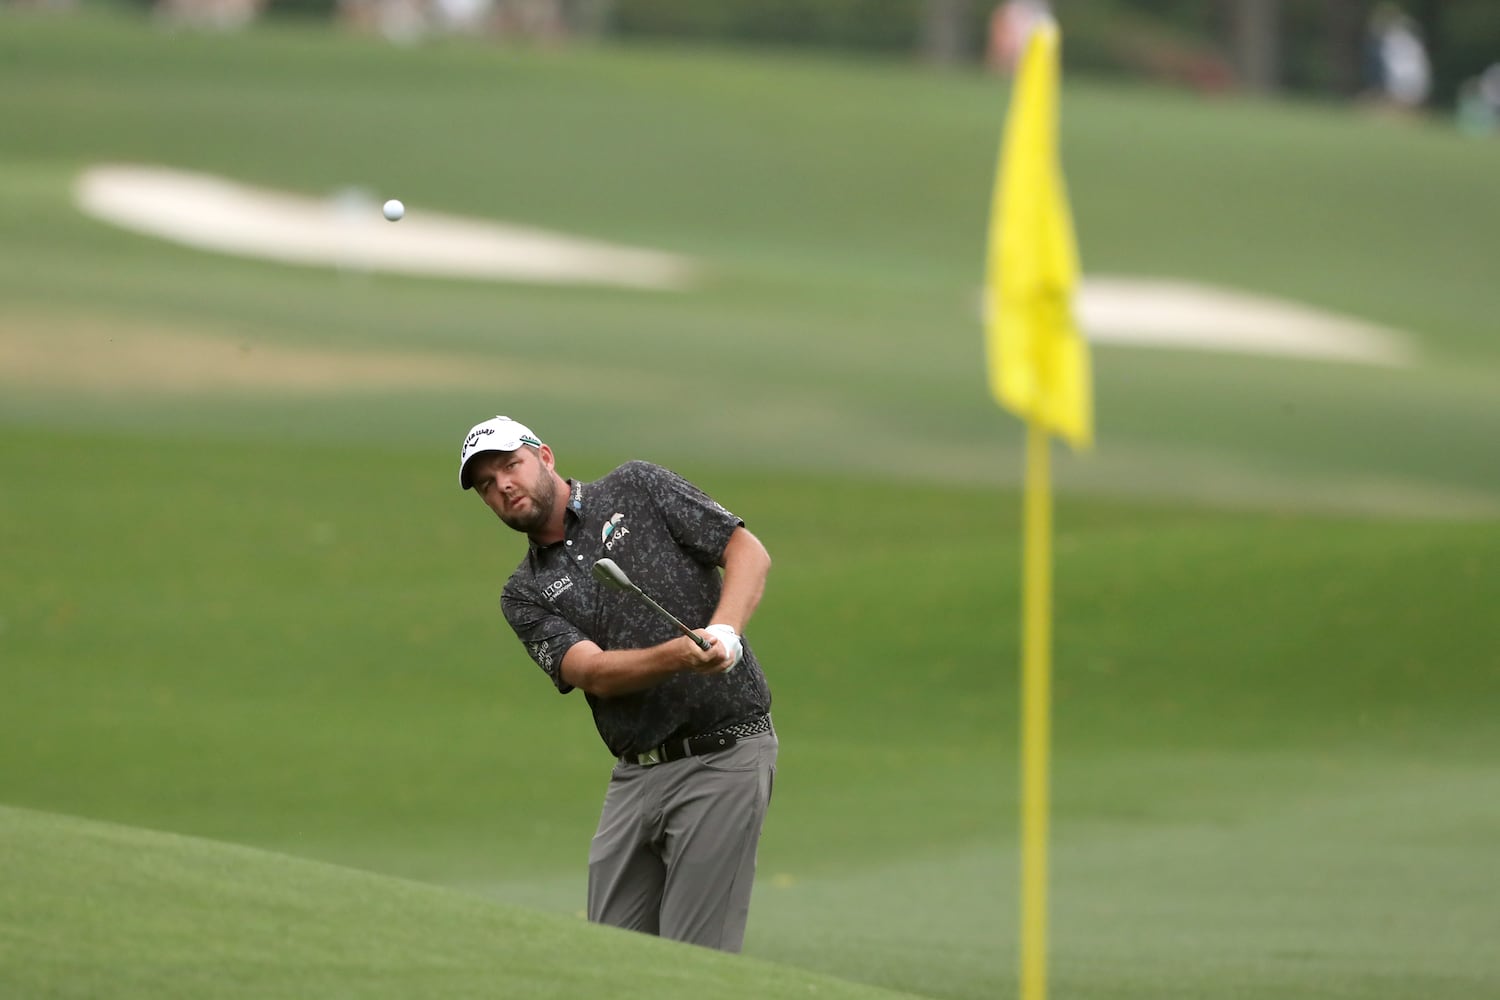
<point>718,658</point>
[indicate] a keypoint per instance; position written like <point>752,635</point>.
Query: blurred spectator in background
<point>540,20</point>
<point>412,20</point>
<point>401,21</point>
<point>1011,24</point>
<point>210,15</point>
<point>461,16</point>
<point>1479,103</point>
<point>1396,64</point>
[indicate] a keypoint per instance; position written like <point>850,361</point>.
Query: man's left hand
<point>730,640</point>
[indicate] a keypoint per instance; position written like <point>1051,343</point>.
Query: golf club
<point>608,572</point>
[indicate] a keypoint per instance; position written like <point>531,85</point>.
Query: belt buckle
<point>650,757</point>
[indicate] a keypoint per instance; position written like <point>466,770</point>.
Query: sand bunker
<point>1153,313</point>
<point>347,231</point>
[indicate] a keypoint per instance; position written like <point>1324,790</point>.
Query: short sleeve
<point>546,635</point>
<point>697,522</point>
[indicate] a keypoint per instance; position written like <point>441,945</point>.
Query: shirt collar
<point>574,512</point>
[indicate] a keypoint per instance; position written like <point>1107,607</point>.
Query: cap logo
<point>496,434</point>
<point>474,437</point>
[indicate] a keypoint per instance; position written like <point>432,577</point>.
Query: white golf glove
<point>731,640</point>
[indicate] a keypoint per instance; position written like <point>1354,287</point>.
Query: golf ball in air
<point>393,209</point>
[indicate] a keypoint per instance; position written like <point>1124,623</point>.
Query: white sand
<point>347,231</point>
<point>1157,313</point>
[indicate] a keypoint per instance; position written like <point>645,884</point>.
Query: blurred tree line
<point>1318,47</point>
<point>1308,46</point>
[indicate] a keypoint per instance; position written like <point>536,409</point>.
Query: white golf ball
<point>393,209</point>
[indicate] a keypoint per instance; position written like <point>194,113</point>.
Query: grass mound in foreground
<point>98,910</point>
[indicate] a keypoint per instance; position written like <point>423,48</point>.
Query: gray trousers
<point>675,851</point>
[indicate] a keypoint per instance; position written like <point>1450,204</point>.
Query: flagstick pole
<point>1036,709</point>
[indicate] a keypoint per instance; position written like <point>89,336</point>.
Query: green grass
<point>840,209</point>
<point>266,616</point>
<point>329,678</point>
<point>93,910</point>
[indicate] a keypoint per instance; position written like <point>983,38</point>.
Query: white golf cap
<point>495,434</point>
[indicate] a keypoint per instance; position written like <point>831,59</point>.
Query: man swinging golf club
<point>683,707</point>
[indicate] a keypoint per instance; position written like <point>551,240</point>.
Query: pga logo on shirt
<point>613,531</point>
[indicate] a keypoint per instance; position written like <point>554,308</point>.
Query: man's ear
<point>545,454</point>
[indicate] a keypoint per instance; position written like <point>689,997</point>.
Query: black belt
<point>719,739</point>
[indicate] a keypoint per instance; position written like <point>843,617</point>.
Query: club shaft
<point>702,642</point>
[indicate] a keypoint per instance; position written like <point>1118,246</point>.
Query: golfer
<point>690,728</point>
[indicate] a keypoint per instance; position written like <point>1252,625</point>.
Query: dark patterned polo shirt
<point>668,536</point>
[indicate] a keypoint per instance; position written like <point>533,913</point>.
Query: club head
<point>608,572</point>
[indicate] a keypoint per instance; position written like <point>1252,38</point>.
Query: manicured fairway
<point>244,602</point>
<point>95,910</point>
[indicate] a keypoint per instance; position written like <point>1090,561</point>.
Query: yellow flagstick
<point>1039,369</point>
<point>1036,709</point>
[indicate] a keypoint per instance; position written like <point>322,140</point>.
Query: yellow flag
<point>1038,362</point>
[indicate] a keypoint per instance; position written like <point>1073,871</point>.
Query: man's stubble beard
<point>543,496</point>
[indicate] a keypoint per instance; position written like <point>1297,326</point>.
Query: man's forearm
<point>746,566</point>
<point>615,672</point>
<point>610,673</point>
